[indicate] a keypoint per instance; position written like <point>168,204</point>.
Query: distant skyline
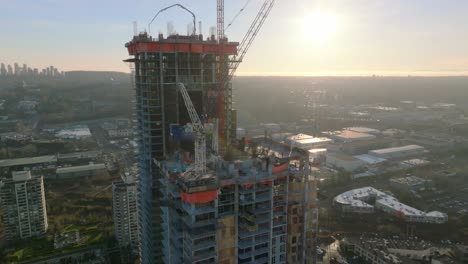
<point>301,37</point>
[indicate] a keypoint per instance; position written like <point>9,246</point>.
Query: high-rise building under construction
<point>247,203</point>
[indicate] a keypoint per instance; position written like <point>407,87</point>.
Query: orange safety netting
<point>199,197</point>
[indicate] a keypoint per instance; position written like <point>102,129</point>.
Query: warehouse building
<point>365,130</point>
<point>347,136</point>
<point>80,171</point>
<point>343,161</point>
<point>399,152</point>
<point>304,141</point>
<point>31,163</point>
<point>359,147</point>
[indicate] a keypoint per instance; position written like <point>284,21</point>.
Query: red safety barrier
<point>199,197</point>
<point>279,168</point>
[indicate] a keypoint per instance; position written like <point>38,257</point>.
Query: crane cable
<point>237,15</point>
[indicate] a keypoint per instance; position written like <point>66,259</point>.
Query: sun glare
<point>320,26</point>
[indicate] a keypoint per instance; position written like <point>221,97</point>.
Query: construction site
<point>203,195</point>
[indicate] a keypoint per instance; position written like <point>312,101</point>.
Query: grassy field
<point>82,205</point>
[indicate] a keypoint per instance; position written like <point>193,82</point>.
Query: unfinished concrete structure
<point>252,210</point>
<point>158,65</point>
<point>229,203</point>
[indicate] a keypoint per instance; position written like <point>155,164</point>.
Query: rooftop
<point>21,175</point>
<point>80,155</point>
<point>342,157</point>
<point>27,161</point>
<point>357,198</point>
<point>397,149</point>
<point>369,159</point>
<point>365,130</point>
<point>88,167</point>
<point>348,135</point>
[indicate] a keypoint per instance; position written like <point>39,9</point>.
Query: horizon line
<point>333,73</point>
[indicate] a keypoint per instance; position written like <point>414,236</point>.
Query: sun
<point>320,26</point>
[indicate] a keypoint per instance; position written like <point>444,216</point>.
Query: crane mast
<point>199,131</point>
<point>224,75</point>
<point>250,36</point>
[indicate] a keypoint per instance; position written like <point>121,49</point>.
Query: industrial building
<point>347,136</point>
<point>399,152</point>
<point>47,162</point>
<point>371,162</point>
<point>124,208</point>
<point>343,161</point>
<point>306,142</point>
<point>365,130</point>
<point>80,171</point>
<point>359,147</point>
<point>357,201</point>
<point>31,163</point>
<point>24,206</point>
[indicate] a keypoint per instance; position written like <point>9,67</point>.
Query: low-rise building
<point>347,136</point>
<point>399,152</point>
<point>359,147</point>
<point>371,162</point>
<point>304,141</point>
<point>357,201</point>
<point>343,161</point>
<point>365,130</point>
<point>30,163</point>
<point>81,171</point>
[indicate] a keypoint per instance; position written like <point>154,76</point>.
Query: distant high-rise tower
<point>3,70</point>
<point>158,65</point>
<point>17,69</point>
<point>24,206</point>
<point>124,207</point>
<point>10,70</point>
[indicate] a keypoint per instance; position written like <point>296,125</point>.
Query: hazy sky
<point>301,37</point>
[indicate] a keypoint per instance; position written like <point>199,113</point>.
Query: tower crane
<point>225,75</point>
<point>250,36</point>
<point>199,131</point>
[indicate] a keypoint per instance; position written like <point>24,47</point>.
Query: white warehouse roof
<point>396,149</point>
<point>369,159</point>
<point>366,130</point>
